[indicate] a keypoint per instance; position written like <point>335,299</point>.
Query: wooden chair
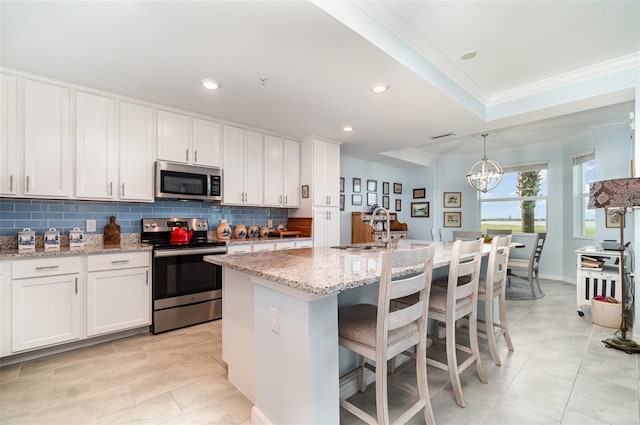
<point>530,266</point>
<point>493,286</point>
<point>466,236</point>
<point>436,234</point>
<point>380,333</point>
<point>499,232</point>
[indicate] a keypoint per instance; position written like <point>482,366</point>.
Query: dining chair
<point>499,232</point>
<point>379,333</point>
<point>529,266</point>
<point>466,236</point>
<point>493,286</point>
<point>436,234</point>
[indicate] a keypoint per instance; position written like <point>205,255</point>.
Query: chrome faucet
<point>387,242</point>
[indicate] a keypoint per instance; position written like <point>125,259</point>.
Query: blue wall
<point>16,214</point>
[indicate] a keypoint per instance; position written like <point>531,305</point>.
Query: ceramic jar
<point>240,231</point>
<point>253,232</point>
<point>224,231</point>
<point>76,238</point>
<point>264,232</point>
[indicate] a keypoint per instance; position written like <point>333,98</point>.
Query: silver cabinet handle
<point>76,285</point>
<point>11,183</point>
<point>280,201</point>
<point>120,262</point>
<point>187,156</point>
<point>122,189</point>
<point>27,190</point>
<point>47,267</point>
<point>285,200</point>
<point>195,156</point>
<point>111,189</point>
<point>147,277</point>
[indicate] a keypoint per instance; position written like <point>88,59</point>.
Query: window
<point>584,172</point>
<point>519,203</point>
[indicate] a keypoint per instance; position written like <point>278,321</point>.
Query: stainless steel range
<point>186,289</point>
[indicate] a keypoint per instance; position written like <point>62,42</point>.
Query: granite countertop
<point>320,271</point>
<point>87,249</point>
<point>264,240</point>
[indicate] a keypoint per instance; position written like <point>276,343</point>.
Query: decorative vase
<point>264,232</point>
<point>240,231</point>
<point>224,231</point>
<point>253,232</point>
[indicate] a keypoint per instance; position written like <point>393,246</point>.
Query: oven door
<point>181,276</point>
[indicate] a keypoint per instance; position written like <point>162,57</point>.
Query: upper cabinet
<point>136,152</point>
<point>243,165</point>
<point>282,172</point>
<point>326,174</point>
<point>188,140</point>
<point>8,136</point>
<point>48,161</point>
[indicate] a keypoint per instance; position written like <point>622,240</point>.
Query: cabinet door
<point>291,171</point>
<point>136,152</point>
<point>96,147</point>
<point>273,171</point>
<point>117,300</point>
<point>174,137</point>
<point>326,227</point>
<point>47,144</point>
<point>8,136</point>
<point>45,311</point>
<point>206,143</point>
<point>233,165</point>
<point>332,173</point>
<point>253,168</point>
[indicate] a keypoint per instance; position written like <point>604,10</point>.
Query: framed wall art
<point>385,202</point>
<point>372,185</point>
<point>356,199</point>
<point>453,200</point>
<point>341,202</point>
<point>372,199</point>
<point>419,209</point>
<point>398,204</point>
<point>452,219</point>
<point>419,193</point>
<point>356,184</point>
<point>341,184</point>
<point>612,219</point>
<point>397,188</point>
<point>305,191</point>
<point>385,188</point>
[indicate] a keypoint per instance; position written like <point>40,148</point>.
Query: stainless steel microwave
<point>181,181</point>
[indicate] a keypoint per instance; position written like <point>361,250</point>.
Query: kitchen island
<point>280,325</point>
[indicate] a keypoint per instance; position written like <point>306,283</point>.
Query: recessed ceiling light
<point>210,84</point>
<point>348,128</point>
<point>469,54</point>
<point>380,88</point>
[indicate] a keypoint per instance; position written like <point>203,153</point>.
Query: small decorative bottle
<point>240,231</point>
<point>224,231</point>
<point>253,232</point>
<point>264,232</point>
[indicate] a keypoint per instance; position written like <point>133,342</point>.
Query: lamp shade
<point>621,193</point>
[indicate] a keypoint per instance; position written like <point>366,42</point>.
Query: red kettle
<point>179,235</point>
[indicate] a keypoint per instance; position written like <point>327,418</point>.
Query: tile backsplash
<point>40,215</point>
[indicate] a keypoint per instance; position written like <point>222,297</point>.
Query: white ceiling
<point>320,59</point>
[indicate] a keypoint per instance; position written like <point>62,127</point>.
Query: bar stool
<point>380,333</point>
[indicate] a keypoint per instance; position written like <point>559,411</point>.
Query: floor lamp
<point>618,196</point>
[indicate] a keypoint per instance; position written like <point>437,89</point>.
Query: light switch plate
<point>270,223</point>
<point>275,320</point>
<point>91,225</point>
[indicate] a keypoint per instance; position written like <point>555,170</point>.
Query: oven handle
<point>181,252</point>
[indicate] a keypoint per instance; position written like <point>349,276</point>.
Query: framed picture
<point>397,188</point>
<point>398,204</point>
<point>419,209</point>
<point>356,199</point>
<point>356,184</point>
<point>452,200</point>
<point>385,188</point>
<point>305,191</point>
<point>372,199</point>
<point>341,184</point>
<point>341,202</point>
<point>372,185</point>
<point>453,219</point>
<point>611,218</point>
<point>385,202</point>
<point>419,193</point>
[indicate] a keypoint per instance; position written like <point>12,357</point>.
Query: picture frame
<point>385,202</point>
<point>419,193</point>
<point>452,200</point>
<point>398,204</point>
<point>357,184</point>
<point>397,188</point>
<point>385,188</point>
<point>341,202</point>
<point>372,185</point>
<point>305,191</point>
<point>372,199</point>
<point>419,209</point>
<point>452,219</point>
<point>341,184</point>
<point>356,199</point>
<point>612,220</point>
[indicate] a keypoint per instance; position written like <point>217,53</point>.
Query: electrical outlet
<point>223,221</point>
<point>91,225</point>
<point>269,223</point>
<point>275,320</point>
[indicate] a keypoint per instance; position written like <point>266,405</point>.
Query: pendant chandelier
<point>485,174</point>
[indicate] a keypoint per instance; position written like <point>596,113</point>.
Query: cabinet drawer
<point>240,248</point>
<point>285,245</point>
<point>52,266</point>
<point>124,260</point>
<point>304,244</point>
<point>262,247</point>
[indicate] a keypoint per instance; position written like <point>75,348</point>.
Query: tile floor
<point>559,373</point>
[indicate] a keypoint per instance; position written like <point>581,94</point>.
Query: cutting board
<point>282,233</point>
<point>111,234</point>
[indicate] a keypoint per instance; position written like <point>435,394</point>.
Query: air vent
<point>443,135</point>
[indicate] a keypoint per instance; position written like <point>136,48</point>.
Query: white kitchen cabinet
<point>96,147</point>
<point>243,163</point>
<point>326,227</point>
<point>9,160</point>
<point>118,292</point>
<point>136,152</point>
<point>239,248</point>
<point>48,161</point>
<point>284,245</point>
<point>282,172</point>
<point>174,137</point>
<point>291,175</point>
<point>46,302</point>
<point>326,174</point>
<point>206,143</point>
<point>304,243</point>
<point>5,308</point>
<point>268,246</point>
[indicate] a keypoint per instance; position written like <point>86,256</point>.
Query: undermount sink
<point>360,246</point>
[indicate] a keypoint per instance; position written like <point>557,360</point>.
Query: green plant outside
<point>516,227</point>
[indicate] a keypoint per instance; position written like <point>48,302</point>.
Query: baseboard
<point>257,418</point>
